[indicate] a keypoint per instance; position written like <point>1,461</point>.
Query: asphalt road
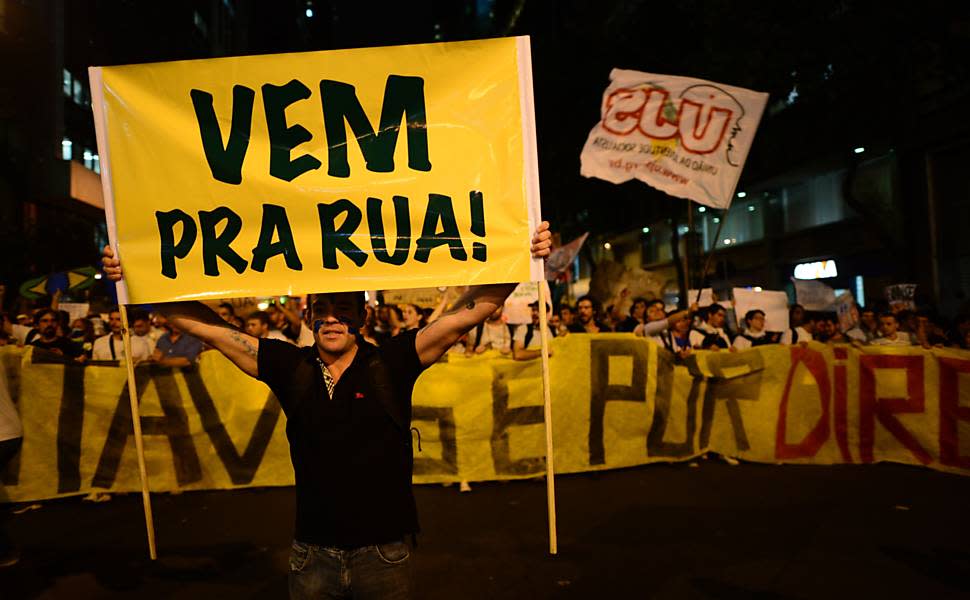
<point>661,531</point>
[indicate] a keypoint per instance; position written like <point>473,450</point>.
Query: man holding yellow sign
<point>206,199</point>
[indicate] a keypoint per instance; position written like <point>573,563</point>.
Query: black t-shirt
<point>67,348</point>
<point>351,454</point>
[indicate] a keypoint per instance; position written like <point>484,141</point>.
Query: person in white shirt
<point>493,334</point>
<point>710,334</point>
<point>526,341</point>
<point>112,345</point>
<point>891,336</point>
<point>141,326</point>
<point>658,321</point>
<point>754,333</point>
<point>801,326</point>
<point>259,325</point>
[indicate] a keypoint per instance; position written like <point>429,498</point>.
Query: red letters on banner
<point>951,412</point>
<point>871,407</point>
<point>699,126</point>
<point>841,404</point>
<point>808,447</point>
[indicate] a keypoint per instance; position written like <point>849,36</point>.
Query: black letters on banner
<point>746,386</point>
<point>656,446</point>
<point>448,463</point>
<point>403,97</point>
<point>282,139</point>
<point>275,220</point>
<point>602,392</point>
<point>241,469</point>
<point>402,221</point>
<point>216,246</point>
<point>440,210</point>
<point>504,417</point>
<point>334,238</point>
<point>70,422</point>
<point>166,234</point>
<point>225,162</point>
<point>174,425</point>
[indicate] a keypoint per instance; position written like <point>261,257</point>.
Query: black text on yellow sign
<point>219,228</point>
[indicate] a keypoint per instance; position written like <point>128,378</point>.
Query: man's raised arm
<point>198,320</point>
<point>472,308</point>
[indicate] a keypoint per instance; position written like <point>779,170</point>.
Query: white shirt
<point>148,340</point>
<point>535,342</point>
<point>494,335</point>
<point>10,427</point>
<point>102,348</point>
<point>703,330</point>
<point>20,333</point>
<point>803,336</point>
<point>743,343</point>
<point>902,339</point>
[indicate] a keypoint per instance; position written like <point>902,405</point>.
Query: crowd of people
<point>715,327</point>
<point>98,337</point>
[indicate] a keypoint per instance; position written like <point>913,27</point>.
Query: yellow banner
<point>618,401</point>
<point>408,166</point>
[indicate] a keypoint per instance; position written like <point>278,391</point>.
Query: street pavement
<point>661,531</point>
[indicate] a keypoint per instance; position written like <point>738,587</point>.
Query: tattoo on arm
<point>243,343</point>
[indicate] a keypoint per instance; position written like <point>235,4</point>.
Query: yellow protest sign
<point>408,166</point>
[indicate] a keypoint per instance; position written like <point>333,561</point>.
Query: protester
<point>227,312</point>
<point>177,348</point>
<point>112,346</point>
<point>141,328</point>
<point>587,317</point>
<point>11,438</point>
<point>51,337</point>
<point>412,317</point>
<point>869,324</point>
<point>82,334</point>
<point>800,326</point>
<point>710,333</point>
<point>677,338</point>
<point>259,325</point>
<point>355,507</point>
<point>856,333</point>
<point>659,321</point>
<point>637,316</point>
<point>492,334</point>
<point>754,333</point>
<point>526,341</point>
<point>890,333</point>
<point>567,316</point>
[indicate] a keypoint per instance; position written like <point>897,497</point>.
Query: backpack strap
<point>530,330</point>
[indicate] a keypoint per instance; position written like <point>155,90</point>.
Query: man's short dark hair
<point>651,302</point>
<point>229,307</point>
<point>137,314</point>
<point>593,301</point>
<point>889,313</point>
<point>263,317</point>
<point>752,313</point>
<point>714,308</point>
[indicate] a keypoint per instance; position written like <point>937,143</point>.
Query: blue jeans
<point>371,572</point>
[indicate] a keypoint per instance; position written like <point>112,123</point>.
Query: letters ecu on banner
<point>686,137</point>
<point>408,166</point>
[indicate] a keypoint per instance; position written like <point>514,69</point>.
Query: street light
<point>607,245</point>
